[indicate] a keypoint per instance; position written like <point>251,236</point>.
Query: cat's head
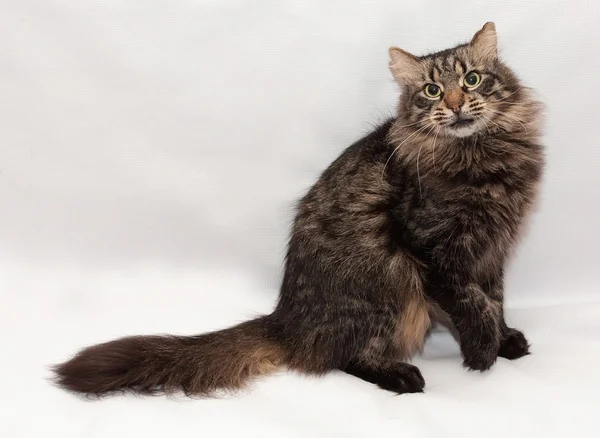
<point>460,91</point>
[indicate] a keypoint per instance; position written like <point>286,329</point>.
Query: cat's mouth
<point>462,123</point>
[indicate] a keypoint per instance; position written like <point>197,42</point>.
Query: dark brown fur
<point>203,364</point>
<point>410,225</point>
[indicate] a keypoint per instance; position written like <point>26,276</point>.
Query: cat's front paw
<point>481,361</point>
<point>480,355</point>
<point>514,345</point>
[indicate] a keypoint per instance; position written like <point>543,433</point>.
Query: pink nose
<point>454,99</point>
<point>456,108</point>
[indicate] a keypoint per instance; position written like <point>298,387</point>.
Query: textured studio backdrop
<point>151,153</point>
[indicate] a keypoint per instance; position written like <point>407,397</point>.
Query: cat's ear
<point>485,42</point>
<point>403,65</point>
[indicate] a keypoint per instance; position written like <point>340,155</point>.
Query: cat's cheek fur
<point>423,102</point>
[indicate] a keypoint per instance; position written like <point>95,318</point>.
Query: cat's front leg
<point>513,343</point>
<point>477,319</point>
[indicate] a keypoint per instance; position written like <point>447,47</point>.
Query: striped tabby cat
<point>410,226</point>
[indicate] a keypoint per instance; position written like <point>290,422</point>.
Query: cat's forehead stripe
<point>460,66</point>
<point>445,66</point>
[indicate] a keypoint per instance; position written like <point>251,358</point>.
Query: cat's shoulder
<point>370,147</point>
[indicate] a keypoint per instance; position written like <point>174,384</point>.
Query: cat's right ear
<point>403,65</point>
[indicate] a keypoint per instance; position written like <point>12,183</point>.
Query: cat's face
<point>457,92</point>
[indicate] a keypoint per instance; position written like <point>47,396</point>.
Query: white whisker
<point>418,155</point>
<point>412,124</point>
<point>479,117</point>
<point>398,147</point>
<point>433,148</point>
<point>506,97</point>
<point>510,117</point>
<point>508,103</point>
<point>491,121</point>
<point>418,174</point>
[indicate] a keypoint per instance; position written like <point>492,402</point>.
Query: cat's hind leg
<point>398,377</point>
<point>380,363</point>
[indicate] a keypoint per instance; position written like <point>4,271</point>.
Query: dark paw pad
<point>402,378</point>
<point>514,345</point>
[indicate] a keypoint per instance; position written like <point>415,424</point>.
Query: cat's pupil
<point>433,90</point>
<point>471,79</point>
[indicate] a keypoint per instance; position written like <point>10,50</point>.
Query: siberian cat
<point>410,226</point>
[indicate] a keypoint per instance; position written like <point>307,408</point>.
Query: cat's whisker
<point>506,97</point>
<point>491,121</point>
<point>398,147</point>
<point>508,103</point>
<point>504,114</point>
<point>418,173</point>
<point>433,148</point>
<point>492,108</point>
<point>483,117</point>
<point>418,155</point>
<point>412,124</point>
<point>479,117</point>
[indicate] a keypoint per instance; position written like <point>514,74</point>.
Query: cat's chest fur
<point>471,216</point>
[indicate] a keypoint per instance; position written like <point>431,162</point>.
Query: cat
<point>409,227</point>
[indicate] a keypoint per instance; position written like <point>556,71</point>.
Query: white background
<point>150,156</point>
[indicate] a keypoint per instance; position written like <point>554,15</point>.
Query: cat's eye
<point>432,91</point>
<point>472,79</point>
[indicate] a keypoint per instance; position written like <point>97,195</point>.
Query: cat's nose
<point>454,100</point>
<point>456,108</point>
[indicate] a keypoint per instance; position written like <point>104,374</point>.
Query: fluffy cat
<point>410,226</point>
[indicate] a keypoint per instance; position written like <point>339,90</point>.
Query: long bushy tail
<point>196,365</point>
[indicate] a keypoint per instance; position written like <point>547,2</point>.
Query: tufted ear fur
<point>485,42</point>
<point>403,65</point>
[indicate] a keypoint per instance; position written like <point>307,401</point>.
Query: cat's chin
<point>463,131</point>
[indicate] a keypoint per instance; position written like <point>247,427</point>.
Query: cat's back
<point>362,161</point>
<point>349,203</point>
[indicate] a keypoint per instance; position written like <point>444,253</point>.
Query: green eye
<point>432,91</point>
<point>472,79</point>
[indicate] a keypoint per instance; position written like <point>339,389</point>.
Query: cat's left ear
<point>485,42</point>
